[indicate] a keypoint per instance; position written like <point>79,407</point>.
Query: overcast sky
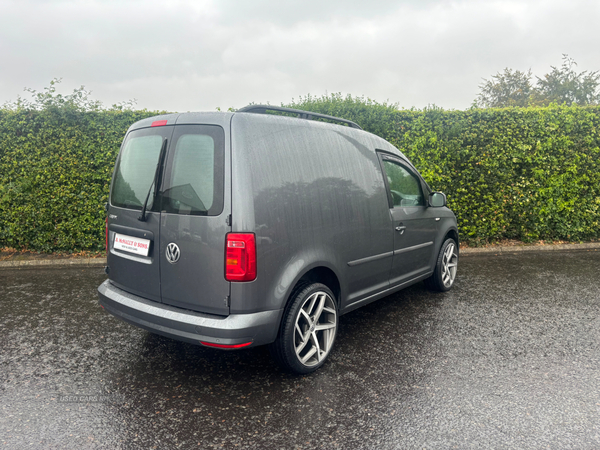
<point>202,54</point>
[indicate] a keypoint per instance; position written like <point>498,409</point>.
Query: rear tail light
<point>106,236</point>
<point>240,257</point>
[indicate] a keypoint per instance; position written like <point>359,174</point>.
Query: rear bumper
<point>189,326</point>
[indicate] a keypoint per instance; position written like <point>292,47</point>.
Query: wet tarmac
<point>510,358</point>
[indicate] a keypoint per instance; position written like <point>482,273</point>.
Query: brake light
<point>240,257</point>
<point>106,236</point>
<point>159,123</point>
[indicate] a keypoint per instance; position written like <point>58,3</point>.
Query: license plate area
<point>132,245</point>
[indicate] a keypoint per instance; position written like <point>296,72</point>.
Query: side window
<point>404,186</point>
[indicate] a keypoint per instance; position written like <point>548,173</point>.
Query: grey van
<point>264,226</point>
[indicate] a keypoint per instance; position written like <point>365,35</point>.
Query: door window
<point>404,186</point>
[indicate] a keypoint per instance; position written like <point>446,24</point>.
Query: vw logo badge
<point>172,253</point>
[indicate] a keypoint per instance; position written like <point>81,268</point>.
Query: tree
<point>505,89</point>
<point>49,99</point>
<point>562,85</point>
<point>565,86</point>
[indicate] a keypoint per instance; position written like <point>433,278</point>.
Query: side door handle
<point>401,229</point>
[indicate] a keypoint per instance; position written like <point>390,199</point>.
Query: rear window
<point>192,176</point>
<point>194,171</point>
<point>135,170</point>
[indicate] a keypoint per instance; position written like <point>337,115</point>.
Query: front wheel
<point>308,330</point>
<point>444,272</point>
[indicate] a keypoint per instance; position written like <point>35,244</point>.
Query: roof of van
<point>195,117</point>
<point>216,117</point>
<point>298,113</point>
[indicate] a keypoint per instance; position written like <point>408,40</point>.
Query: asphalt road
<point>508,359</point>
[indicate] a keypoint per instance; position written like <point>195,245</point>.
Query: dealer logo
<point>172,253</point>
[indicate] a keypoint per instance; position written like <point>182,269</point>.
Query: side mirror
<point>437,199</point>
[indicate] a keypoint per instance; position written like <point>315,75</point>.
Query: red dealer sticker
<point>131,244</point>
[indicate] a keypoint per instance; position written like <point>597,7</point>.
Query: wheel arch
<point>323,275</point>
<point>318,272</point>
<point>453,234</point>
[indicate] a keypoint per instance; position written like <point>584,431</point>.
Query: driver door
<point>415,224</point>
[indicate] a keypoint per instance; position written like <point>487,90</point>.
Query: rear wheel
<point>308,329</point>
<point>444,272</point>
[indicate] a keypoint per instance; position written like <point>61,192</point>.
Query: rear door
<point>415,224</point>
<point>194,221</point>
<point>133,244</point>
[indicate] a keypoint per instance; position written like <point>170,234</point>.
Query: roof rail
<point>262,109</point>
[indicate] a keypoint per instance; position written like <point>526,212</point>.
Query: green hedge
<point>55,169</point>
<point>519,173</point>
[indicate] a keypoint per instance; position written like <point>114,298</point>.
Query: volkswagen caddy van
<point>264,226</point>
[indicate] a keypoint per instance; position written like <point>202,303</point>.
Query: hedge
<point>55,170</point>
<point>516,173</point>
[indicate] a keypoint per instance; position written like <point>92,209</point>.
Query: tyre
<point>446,264</point>
<point>308,329</point>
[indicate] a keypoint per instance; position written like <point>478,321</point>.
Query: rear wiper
<point>142,217</point>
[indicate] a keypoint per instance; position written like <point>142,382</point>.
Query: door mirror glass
<point>437,199</point>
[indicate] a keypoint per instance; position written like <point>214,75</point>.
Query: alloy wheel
<point>315,328</point>
<point>449,264</point>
